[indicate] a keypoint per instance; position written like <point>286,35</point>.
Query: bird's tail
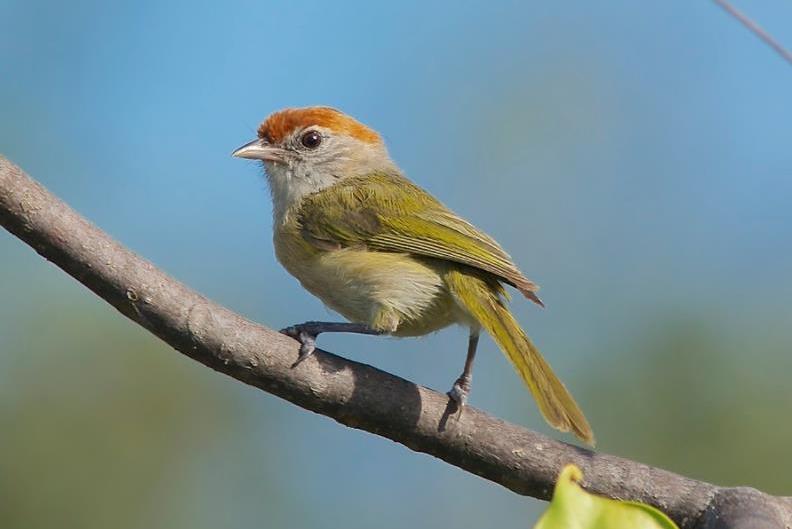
<point>482,297</point>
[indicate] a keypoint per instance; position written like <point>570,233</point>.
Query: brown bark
<point>352,393</point>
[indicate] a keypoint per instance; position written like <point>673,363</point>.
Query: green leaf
<point>574,508</point>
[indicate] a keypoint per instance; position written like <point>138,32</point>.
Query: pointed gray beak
<point>258,149</point>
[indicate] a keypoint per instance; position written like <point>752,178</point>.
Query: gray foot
<point>460,391</point>
<point>304,334</point>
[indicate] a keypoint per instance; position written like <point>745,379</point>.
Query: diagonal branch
<point>756,29</point>
<point>354,394</point>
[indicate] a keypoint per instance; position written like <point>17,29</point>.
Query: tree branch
<point>354,394</point>
<point>756,29</point>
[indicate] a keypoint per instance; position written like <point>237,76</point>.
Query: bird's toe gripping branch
<point>306,338</point>
<point>306,333</point>
<point>459,391</point>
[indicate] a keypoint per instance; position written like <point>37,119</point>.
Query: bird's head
<point>304,150</point>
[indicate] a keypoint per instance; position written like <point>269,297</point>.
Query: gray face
<point>316,149</point>
<point>314,158</point>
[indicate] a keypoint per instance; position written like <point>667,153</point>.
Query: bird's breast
<point>360,284</point>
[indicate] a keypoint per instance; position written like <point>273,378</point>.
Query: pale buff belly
<point>393,292</point>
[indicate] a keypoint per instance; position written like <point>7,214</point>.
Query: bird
<point>388,256</point>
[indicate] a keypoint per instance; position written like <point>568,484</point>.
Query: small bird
<point>387,255</point>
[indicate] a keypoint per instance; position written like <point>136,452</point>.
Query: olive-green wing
<point>387,212</point>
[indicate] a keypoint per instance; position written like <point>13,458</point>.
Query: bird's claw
<point>306,338</point>
<point>459,392</point>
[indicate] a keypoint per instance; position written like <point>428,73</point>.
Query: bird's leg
<point>306,333</point>
<point>461,389</point>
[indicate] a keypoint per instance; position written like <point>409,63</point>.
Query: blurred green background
<point>633,157</point>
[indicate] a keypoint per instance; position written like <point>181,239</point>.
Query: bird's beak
<point>258,149</point>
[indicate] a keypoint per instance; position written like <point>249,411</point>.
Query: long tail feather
<point>481,298</point>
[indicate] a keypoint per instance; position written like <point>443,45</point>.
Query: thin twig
<point>352,393</point>
<point>756,28</point>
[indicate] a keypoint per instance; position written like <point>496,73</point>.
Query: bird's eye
<point>311,139</point>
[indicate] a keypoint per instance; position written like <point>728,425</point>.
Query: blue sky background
<point>633,157</point>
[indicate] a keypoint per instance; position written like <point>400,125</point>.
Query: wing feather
<point>388,213</point>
